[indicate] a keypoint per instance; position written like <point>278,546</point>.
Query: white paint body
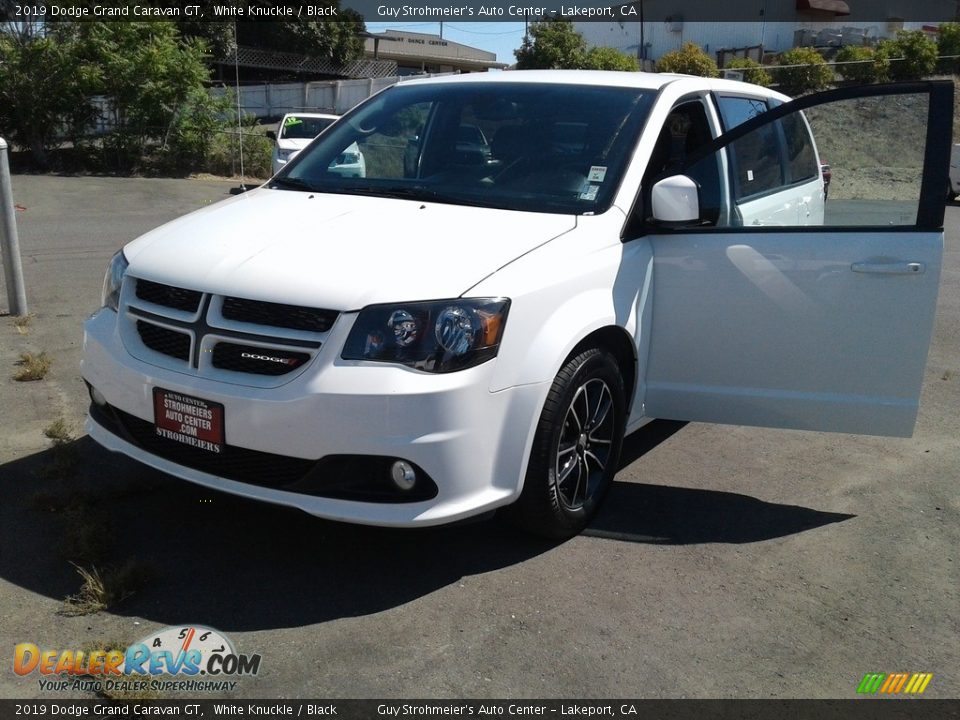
<point>767,328</point>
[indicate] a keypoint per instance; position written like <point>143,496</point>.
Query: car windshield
<point>541,147</point>
<point>297,127</point>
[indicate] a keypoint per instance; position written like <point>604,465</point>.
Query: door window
<point>873,138</point>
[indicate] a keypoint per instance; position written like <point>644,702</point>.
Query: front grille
<point>293,317</point>
<point>206,334</point>
<point>230,356</point>
<point>164,340</point>
<point>168,295</point>
<point>233,463</point>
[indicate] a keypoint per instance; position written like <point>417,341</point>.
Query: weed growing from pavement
<point>22,323</point>
<point>104,589</point>
<point>119,693</point>
<point>62,463</point>
<point>114,693</point>
<point>59,431</point>
<point>33,366</point>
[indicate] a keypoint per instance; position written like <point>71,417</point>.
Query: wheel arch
<point>618,343</point>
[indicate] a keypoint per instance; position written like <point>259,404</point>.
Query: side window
<point>801,159</point>
<point>736,110</point>
<point>756,163</point>
<point>878,174</point>
<point>685,131</point>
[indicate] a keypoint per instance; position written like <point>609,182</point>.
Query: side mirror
<point>675,200</point>
<point>271,134</point>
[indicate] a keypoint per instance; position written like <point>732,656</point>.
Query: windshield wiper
<point>292,184</point>
<point>415,192</point>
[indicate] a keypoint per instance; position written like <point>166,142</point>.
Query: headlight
<point>284,154</point>
<point>438,336</point>
<point>113,280</point>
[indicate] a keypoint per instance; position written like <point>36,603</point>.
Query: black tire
<point>571,468</point>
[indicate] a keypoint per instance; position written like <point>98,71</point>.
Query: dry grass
<point>105,646</point>
<point>122,694</point>
<point>92,597</point>
<point>102,590</point>
<point>59,431</point>
<point>33,366</point>
<point>22,323</point>
<point>116,693</point>
<point>63,459</point>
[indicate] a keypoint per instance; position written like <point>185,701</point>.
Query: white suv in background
<point>297,130</point>
<point>473,326</point>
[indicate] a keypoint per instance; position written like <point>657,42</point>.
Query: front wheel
<point>576,448</point>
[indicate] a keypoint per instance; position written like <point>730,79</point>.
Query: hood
<point>337,251</point>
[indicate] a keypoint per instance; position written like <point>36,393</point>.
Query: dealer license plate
<point>188,420</point>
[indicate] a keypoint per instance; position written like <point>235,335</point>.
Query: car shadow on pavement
<point>220,560</point>
<point>241,565</point>
<point>665,515</point>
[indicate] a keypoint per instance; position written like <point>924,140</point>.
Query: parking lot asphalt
<point>727,562</point>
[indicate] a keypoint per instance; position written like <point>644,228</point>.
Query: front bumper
<point>473,443</point>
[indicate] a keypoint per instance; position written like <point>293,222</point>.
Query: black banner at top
<point>674,12</point>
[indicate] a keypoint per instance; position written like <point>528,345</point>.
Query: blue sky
<point>499,37</point>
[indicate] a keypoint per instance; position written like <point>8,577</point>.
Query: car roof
<point>608,78</point>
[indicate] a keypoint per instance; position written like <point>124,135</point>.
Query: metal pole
<point>9,241</point>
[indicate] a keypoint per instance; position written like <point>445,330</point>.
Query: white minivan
<point>476,325</point>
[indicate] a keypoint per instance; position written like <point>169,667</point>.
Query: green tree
<point>918,53</point>
<point>865,65</point>
<point>948,43</point>
<point>149,73</point>
<point>690,59</point>
<point>803,70</point>
<point>45,85</point>
<point>552,44</point>
<point>753,72</point>
<point>604,58</point>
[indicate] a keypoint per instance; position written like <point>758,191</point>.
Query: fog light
<point>403,475</point>
<point>97,397</point>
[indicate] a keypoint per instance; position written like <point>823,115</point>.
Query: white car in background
<point>297,130</point>
<point>451,332</point>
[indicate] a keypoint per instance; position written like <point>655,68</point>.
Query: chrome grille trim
<point>205,328</point>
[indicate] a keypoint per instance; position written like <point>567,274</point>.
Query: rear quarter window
<point>801,158</point>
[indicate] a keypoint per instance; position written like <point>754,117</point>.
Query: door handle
<point>889,268</point>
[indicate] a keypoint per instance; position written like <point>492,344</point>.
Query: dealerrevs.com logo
<point>181,658</point>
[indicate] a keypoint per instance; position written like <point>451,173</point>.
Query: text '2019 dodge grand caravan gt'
<point>471,326</point>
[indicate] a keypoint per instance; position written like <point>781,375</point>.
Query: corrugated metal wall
<point>335,96</point>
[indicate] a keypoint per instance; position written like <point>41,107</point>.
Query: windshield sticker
<point>589,192</point>
<point>597,173</point>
